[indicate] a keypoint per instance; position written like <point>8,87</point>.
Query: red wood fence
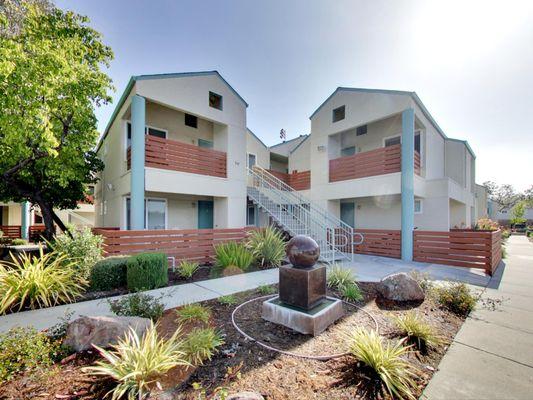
<point>194,244</point>
<point>184,157</point>
<point>377,242</point>
<point>381,161</point>
<point>11,231</point>
<point>462,248</point>
<point>296,180</point>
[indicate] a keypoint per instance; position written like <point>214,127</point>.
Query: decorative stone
<point>400,287</point>
<point>83,332</point>
<point>302,251</point>
<point>302,288</point>
<point>245,396</point>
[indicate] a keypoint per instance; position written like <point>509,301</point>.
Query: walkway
<point>492,354</point>
<point>366,268</point>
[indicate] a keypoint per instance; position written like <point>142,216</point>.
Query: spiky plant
<point>193,312</point>
<point>351,292</point>
<point>418,331</point>
<point>233,254</point>
<point>386,360</point>
<point>35,282</point>
<point>186,269</point>
<point>339,277</point>
<point>228,300</point>
<point>267,246</point>
<point>266,289</point>
<point>137,362</point>
<point>201,344</point>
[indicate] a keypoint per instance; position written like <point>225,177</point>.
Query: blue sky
<point>471,62</point>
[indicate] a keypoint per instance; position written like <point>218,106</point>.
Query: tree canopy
<point>50,82</point>
<point>506,196</point>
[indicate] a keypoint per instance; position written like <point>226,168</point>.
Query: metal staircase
<point>297,215</point>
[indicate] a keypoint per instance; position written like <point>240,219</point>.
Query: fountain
<point>302,304</point>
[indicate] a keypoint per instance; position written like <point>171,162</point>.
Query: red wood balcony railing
<point>183,157</point>
<point>297,180</point>
<point>382,161</point>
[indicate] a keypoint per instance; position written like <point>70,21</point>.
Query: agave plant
<point>36,282</point>
<point>267,246</point>
<point>233,254</point>
<point>136,363</point>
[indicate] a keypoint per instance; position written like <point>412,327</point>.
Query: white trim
<point>421,206</point>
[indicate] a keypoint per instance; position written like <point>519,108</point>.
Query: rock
<point>400,287</point>
<point>101,331</point>
<point>245,396</point>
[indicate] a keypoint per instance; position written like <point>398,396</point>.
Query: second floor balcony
<point>380,161</point>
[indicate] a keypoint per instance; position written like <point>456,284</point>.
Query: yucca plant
<point>267,246</point>
<point>136,363</point>
<point>36,282</point>
<point>186,269</point>
<point>351,292</point>
<point>201,344</point>
<point>339,277</point>
<point>386,360</point>
<point>233,254</point>
<point>192,312</point>
<point>416,330</point>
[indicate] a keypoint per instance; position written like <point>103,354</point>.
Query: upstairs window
<point>418,206</point>
<point>417,143</point>
<point>348,151</point>
<point>215,100</point>
<point>393,141</point>
<point>361,130</point>
<point>147,131</point>
<point>339,113</point>
<point>191,120</point>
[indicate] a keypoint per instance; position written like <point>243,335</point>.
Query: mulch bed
<point>242,365</point>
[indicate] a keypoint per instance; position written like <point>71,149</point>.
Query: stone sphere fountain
<point>302,304</point>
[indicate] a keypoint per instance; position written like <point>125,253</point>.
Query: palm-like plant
<point>36,282</point>
<point>233,254</point>
<point>386,360</point>
<point>137,362</point>
<point>339,277</point>
<point>267,246</point>
<point>201,344</point>
<point>416,330</point>
<point>186,269</point>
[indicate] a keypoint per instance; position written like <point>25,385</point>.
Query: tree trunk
<point>47,213</point>
<point>60,223</point>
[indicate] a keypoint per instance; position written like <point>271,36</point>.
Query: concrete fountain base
<point>309,322</point>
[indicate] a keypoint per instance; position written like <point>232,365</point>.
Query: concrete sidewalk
<point>492,354</point>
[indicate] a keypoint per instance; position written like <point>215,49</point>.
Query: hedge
<point>147,271</point>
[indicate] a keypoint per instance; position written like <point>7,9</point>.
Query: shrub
<point>416,330</point>
<point>352,292</point>
<point>201,344</point>
<point>267,246</point>
<point>486,224</point>
<point>266,289</point>
<point>109,273</point>
<point>385,360</point>
<point>19,242</point>
<point>233,254</point>
<point>186,269</point>
<point>24,349</point>
<point>147,271</point>
<point>423,279</point>
<point>228,300</point>
<point>136,363</point>
<point>192,312</point>
<point>138,305</point>
<point>36,282</point>
<point>83,247</point>
<point>59,330</point>
<point>455,297</point>
<point>339,277</point>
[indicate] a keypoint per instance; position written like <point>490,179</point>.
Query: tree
<point>504,195</point>
<point>15,10</point>
<point>50,82</point>
<point>517,213</point>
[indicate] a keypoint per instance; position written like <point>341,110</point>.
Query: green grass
<point>266,289</point>
<point>228,300</point>
<point>351,292</point>
<point>193,312</point>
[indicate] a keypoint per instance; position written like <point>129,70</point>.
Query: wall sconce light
<point>321,148</point>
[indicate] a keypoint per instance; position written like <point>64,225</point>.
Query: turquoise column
<point>408,179</point>
<point>138,123</point>
<point>25,220</point>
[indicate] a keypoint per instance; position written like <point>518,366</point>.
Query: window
<point>206,144</point>
<point>339,113</point>
<point>191,120</point>
<point>155,213</point>
<point>250,216</point>
<point>418,206</point>
<point>393,141</point>
<point>361,130</point>
<point>215,100</point>
<point>160,133</point>
<point>417,143</point>
<point>348,151</point>
<point>251,160</point>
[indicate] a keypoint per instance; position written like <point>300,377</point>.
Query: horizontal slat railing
<point>377,242</point>
<point>178,156</point>
<point>462,248</point>
<point>11,231</point>
<point>381,161</point>
<point>188,244</point>
<point>296,180</point>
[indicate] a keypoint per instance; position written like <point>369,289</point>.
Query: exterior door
<point>205,214</point>
<point>348,214</point>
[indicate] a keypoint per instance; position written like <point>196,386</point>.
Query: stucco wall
<point>456,162</point>
<point>255,146</point>
<point>299,159</point>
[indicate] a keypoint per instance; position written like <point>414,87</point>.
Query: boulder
<point>83,332</point>
<point>245,396</point>
<point>400,287</point>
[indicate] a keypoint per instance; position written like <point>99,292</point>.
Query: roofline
<point>135,78</point>
<point>255,136</point>
<point>466,145</point>
<point>288,141</point>
<point>299,144</point>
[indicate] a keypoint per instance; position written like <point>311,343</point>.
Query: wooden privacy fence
<point>377,242</point>
<point>11,231</point>
<point>193,244</point>
<point>297,180</point>
<point>462,248</point>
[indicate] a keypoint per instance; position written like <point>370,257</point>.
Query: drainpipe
<point>407,185</point>
<point>25,220</point>
<point>138,123</point>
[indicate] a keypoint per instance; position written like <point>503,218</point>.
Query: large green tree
<point>51,79</point>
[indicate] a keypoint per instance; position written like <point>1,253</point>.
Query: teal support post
<point>138,123</point>
<point>408,180</point>
<point>25,220</point>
